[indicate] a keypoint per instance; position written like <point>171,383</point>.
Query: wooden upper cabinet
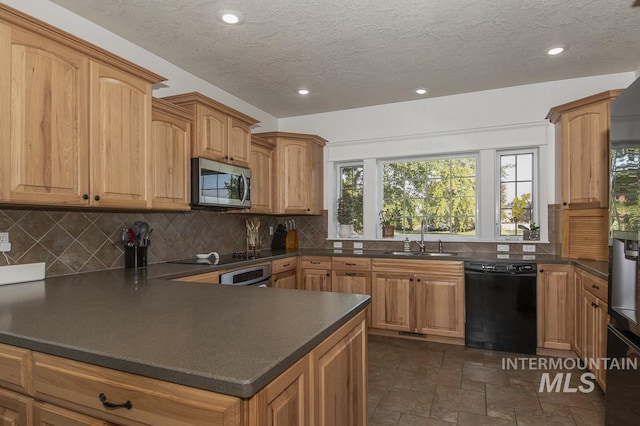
<point>298,172</point>
<point>219,133</point>
<point>170,155</point>
<point>582,130</point>
<point>262,165</point>
<point>76,120</point>
<point>120,138</point>
<point>44,150</point>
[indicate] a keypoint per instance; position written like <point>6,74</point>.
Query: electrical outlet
<point>503,247</point>
<point>357,245</point>
<point>337,244</point>
<point>4,237</point>
<point>529,248</point>
<point>5,247</point>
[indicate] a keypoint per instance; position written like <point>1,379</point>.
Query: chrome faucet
<point>439,246</point>
<point>421,242</point>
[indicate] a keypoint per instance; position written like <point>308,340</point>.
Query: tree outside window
<point>441,191</point>
<point>351,186</point>
<point>516,192</point>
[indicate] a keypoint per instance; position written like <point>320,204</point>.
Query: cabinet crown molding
<point>298,136</point>
<point>198,98</point>
<point>555,112</point>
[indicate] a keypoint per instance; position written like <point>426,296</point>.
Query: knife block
<point>135,257</point>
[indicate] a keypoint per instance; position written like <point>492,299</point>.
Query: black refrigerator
<point>623,334</point>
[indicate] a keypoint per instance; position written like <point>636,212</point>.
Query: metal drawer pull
<point>350,274</point>
<point>350,264</point>
<point>103,398</point>
<point>314,262</point>
<point>285,265</point>
<point>595,286</point>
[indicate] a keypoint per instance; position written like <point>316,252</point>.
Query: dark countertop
<point>226,339</point>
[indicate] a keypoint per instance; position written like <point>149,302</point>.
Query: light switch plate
<point>529,248</point>
<point>357,245</point>
<point>503,247</point>
<point>337,244</point>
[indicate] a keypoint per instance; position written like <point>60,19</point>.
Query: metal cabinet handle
<point>595,286</point>
<point>314,262</point>
<point>350,264</point>
<point>418,279</point>
<point>411,279</point>
<point>285,265</point>
<point>103,398</point>
<point>541,270</point>
<point>97,198</point>
<point>350,274</point>
<point>85,196</point>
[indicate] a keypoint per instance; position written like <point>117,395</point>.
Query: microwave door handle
<point>246,188</point>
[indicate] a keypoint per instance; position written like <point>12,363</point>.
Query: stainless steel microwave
<point>215,184</point>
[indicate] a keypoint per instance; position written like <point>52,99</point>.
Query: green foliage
<point>346,213</point>
<point>351,184</point>
<point>441,191</point>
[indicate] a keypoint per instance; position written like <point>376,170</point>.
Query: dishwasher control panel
<point>501,267</point>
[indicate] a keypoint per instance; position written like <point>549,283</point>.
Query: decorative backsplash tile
<point>81,241</point>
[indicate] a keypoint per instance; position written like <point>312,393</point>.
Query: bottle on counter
<point>407,244</point>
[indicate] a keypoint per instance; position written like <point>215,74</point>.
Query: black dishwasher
<point>500,304</point>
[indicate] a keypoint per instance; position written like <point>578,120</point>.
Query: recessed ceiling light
<point>303,92</point>
<point>555,51</point>
<point>231,17</point>
<point>422,91</point>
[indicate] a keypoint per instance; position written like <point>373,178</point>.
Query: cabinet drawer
<point>207,278</point>
<point>78,386</point>
<point>440,267</point>
<point>15,369</point>
<point>352,263</point>
<point>596,286</point>
<point>283,265</point>
<point>319,262</point>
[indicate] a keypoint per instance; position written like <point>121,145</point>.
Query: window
<point>517,196</point>
<point>441,191</point>
<point>351,186</point>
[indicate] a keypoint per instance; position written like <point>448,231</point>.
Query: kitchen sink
<point>417,253</point>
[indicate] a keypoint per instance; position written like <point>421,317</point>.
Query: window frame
<point>535,189</point>
<point>338,194</point>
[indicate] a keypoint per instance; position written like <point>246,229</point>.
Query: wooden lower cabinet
<point>555,306</point>
<point>327,387</point>
<point>339,374</point>
<point>15,409</point>
<point>51,415</point>
<point>352,282</point>
<point>315,273</point>
<point>391,301</point>
<point>577,303</point>
<point>287,279</point>
<point>285,401</point>
<point>594,320</point>
<point>428,298</point>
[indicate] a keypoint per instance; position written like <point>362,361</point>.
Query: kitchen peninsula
<point>183,353</point>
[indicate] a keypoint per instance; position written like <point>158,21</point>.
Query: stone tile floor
<point>433,384</point>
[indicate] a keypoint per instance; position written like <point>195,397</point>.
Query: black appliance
<point>500,303</point>
<point>623,338</point>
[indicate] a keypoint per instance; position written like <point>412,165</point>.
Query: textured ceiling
<point>354,53</point>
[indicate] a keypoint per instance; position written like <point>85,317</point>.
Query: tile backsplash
<point>71,241</point>
<point>82,241</point>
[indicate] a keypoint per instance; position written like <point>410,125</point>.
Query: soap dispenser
<point>407,244</point>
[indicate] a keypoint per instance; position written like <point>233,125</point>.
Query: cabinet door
<point>120,123</point>
<point>293,169</point>
<point>439,305</point>
<point>340,377</point>
<point>585,141</point>
<point>316,279</point>
<point>577,300</point>
<point>352,283</point>
<point>211,139</point>
<point>285,280</point>
<point>15,409</point>
<point>284,401</point>
<point>589,326</point>
<point>555,307</point>
<point>51,415</point>
<point>262,183</point>
<point>238,142</point>
<point>600,344</point>
<point>44,154</point>
<point>170,155</point>
<point>391,301</point>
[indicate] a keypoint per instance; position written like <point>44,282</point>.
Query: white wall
<point>178,80</point>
